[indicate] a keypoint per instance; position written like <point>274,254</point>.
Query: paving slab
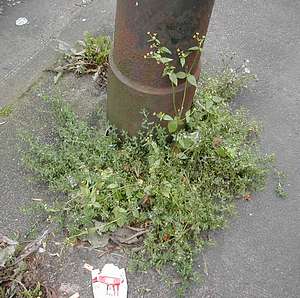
<point>25,51</point>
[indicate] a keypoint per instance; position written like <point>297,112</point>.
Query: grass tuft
<point>6,110</point>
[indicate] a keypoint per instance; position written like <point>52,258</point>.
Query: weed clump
<point>175,187</point>
<point>91,57</point>
<point>6,110</point>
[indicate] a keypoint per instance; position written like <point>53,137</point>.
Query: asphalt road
<point>258,255</point>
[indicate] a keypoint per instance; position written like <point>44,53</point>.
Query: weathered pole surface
<point>135,83</point>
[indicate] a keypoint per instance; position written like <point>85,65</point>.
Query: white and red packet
<point>110,282</point>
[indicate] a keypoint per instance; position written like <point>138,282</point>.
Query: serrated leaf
<point>181,75</point>
<point>172,126</point>
<point>192,80</point>
<point>173,78</point>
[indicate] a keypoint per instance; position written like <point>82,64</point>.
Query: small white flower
<point>247,70</point>
<point>231,70</point>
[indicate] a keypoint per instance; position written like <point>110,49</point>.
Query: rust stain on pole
<point>135,83</point>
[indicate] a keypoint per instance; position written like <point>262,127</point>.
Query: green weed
<point>33,293</point>
<point>96,48</point>
<point>92,57</point>
<point>226,85</point>
<point>177,187</point>
<point>280,187</point>
<point>6,110</point>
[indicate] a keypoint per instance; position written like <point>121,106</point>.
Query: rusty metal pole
<point>135,83</point>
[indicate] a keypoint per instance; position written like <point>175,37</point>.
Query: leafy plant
<point>33,293</point>
<point>6,110</point>
<point>226,85</point>
<point>281,180</point>
<point>92,57</point>
<point>96,49</point>
<point>228,82</point>
<point>177,188</point>
<point>161,55</point>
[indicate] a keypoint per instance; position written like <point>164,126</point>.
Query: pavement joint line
<point>24,62</point>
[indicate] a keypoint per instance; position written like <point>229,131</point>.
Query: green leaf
<point>231,152</point>
<point>165,50</point>
<point>165,72</point>
<point>188,116</point>
<point>209,104</point>
<point>192,80</point>
<point>195,136</point>
<point>182,156</point>
<point>181,75</point>
<point>166,189</point>
<point>194,48</point>
<point>112,186</point>
<point>95,239</point>
<point>96,205</point>
<point>185,143</point>
<point>221,151</point>
<point>182,61</point>
<point>217,99</point>
<point>173,78</point>
<point>172,126</point>
<point>120,216</point>
<point>165,60</point>
<point>167,117</point>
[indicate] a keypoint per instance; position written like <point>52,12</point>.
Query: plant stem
<point>185,87</point>
<point>174,100</point>
<point>183,99</point>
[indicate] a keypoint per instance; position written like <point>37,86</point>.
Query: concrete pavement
<point>25,51</point>
<point>258,255</point>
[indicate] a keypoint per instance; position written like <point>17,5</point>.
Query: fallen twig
<point>140,233</point>
<point>31,247</point>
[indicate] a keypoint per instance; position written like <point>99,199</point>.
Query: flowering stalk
<point>162,55</point>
